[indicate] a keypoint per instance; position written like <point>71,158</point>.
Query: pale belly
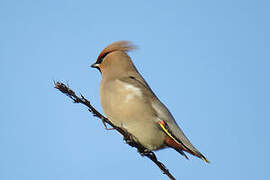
<point>127,108</point>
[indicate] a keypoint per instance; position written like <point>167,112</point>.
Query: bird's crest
<point>116,46</point>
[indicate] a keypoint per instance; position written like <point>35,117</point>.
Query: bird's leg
<point>105,125</point>
<point>150,154</point>
<point>147,152</point>
<point>129,139</point>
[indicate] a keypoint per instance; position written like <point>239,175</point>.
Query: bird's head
<point>114,57</point>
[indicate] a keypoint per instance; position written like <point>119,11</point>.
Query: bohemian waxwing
<point>129,103</point>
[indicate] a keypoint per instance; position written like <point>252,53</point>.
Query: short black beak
<point>94,65</point>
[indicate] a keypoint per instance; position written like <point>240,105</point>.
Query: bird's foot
<point>150,154</point>
<point>130,140</point>
<point>146,152</point>
<point>105,125</point>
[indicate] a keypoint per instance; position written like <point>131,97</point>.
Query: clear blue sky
<point>208,61</point>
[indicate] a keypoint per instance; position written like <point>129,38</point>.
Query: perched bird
<point>129,102</point>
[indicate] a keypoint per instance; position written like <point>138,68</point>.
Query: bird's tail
<point>175,143</point>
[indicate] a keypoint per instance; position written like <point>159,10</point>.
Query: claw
<point>105,125</point>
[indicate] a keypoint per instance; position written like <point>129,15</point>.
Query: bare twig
<point>127,137</point>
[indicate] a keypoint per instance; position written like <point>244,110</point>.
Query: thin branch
<point>127,137</point>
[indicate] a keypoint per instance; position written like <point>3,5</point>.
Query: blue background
<point>208,61</point>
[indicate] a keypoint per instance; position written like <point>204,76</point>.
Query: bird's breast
<point>127,106</point>
<point>118,97</point>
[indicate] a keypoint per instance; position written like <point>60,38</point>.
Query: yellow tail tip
<point>205,160</point>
